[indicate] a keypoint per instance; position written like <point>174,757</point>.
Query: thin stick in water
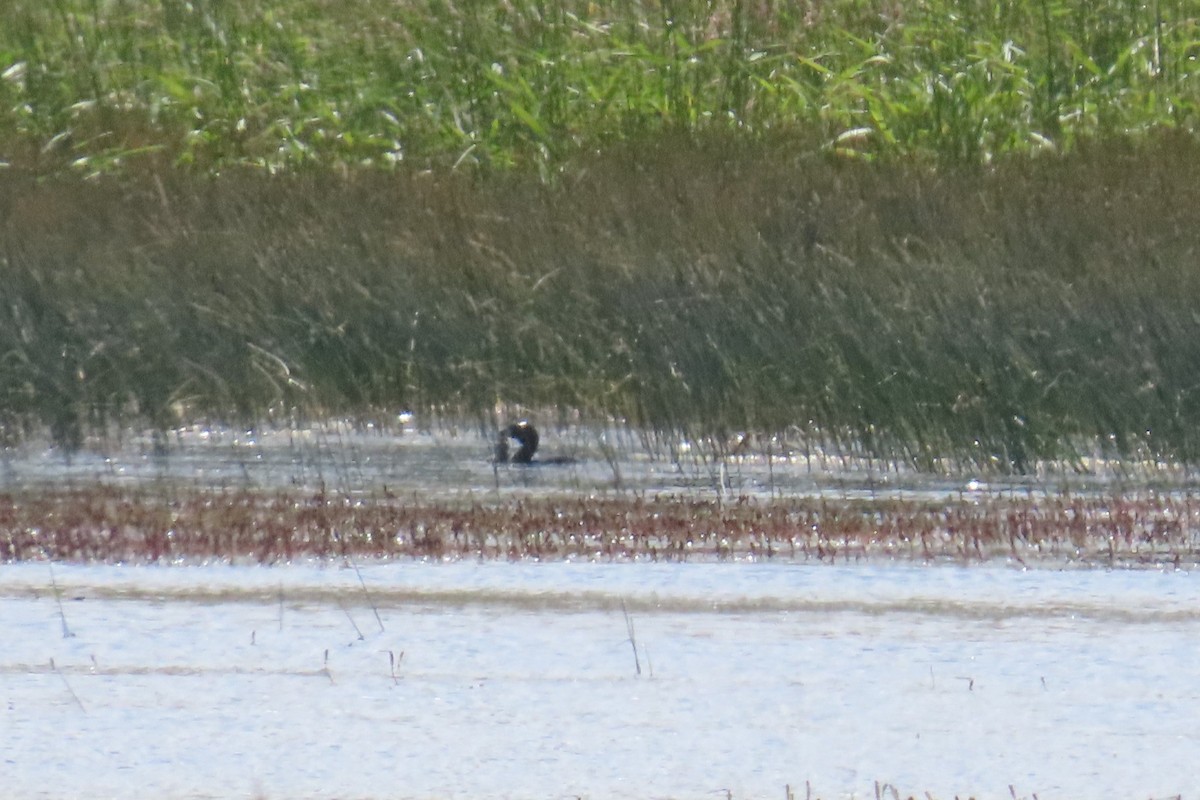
<point>66,683</point>
<point>346,611</point>
<point>367,594</point>
<point>325,669</point>
<point>62,615</point>
<point>393,662</point>
<point>632,638</point>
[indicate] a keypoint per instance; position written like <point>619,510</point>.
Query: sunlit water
<point>467,680</point>
<point>519,680</point>
<point>447,460</point>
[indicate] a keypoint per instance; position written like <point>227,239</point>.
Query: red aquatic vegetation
<point>115,525</point>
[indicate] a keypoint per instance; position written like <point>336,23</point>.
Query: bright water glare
<point>520,680</point>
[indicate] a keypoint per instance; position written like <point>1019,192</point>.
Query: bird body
<point>526,437</point>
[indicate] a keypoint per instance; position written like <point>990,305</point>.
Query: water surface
<point>519,680</point>
<point>452,460</point>
<point>470,680</point>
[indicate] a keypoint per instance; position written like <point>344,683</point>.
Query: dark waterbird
<point>526,437</point>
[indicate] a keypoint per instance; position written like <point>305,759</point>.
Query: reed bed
<point>190,526</point>
<point>105,85</point>
<point>942,318</point>
<point>948,235</point>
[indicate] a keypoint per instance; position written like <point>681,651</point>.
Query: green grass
<point>101,85</point>
<point>938,233</point>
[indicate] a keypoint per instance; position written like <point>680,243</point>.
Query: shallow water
<point>449,460</point>
<point>519,680</point>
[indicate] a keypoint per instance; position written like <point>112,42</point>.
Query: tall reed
<point>100,85</point>
<point>936,232</point>
<point>1038,309</point>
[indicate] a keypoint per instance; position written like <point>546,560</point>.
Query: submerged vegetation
<point>939,233</point>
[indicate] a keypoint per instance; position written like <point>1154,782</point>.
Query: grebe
<point>526,436</point>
